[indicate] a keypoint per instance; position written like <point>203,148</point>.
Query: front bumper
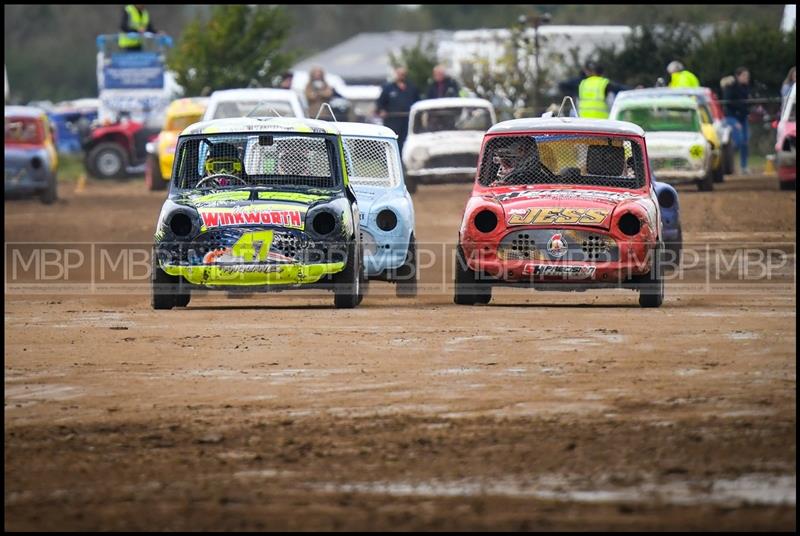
<point>254,274</point>
<point>25,181</point>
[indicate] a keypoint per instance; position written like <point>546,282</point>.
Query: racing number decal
<point>546,216</point>
<point>253,245</point>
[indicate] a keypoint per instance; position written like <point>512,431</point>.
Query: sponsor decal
<point>549,216</point>
<point>284,218</point>
<point>589,195</point>
<point>557,245</point>
<point>559,270</point>
<point>250,248</point>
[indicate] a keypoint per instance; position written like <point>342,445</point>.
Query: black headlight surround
<point>180,223</point>
<point>485,221</point>
<point>386,220</point>
<point>629,224</point>
<point>666,198</point>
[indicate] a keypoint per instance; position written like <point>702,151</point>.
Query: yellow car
<point>710,134</point>
<point>161,151</point>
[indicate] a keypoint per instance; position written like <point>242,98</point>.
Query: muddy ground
<point>540,411</point>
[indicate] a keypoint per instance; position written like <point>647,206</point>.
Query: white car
<point>241,102</point>
<point>444,139</point>
<point>678,150</point>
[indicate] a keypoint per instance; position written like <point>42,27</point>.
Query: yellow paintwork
<point>49,145</point>
<point>710,134</point>
<point>190,110</point>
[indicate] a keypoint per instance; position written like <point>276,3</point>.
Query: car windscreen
<point>662,118</point>
<point>180,122</point>
<point>452,118</point>
<point>24,130</point>
<point>372,162</point>
<point>581,159</point>
<point>279,160</point>
<point>226,109</point>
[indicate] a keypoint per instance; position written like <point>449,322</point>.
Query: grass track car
<point>161,152</point>
<point>387,212</point>
<point>258,204</point>
<point>31,161</point>
<point>786,144</point>
<point>679,149</point>
<point>561,204</point>
<point>444,139</point>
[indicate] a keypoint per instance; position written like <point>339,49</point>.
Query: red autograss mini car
<point>561,204</point>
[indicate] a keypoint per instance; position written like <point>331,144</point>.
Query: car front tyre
<point>706,184</point>
<point>50,194</point>
<point>406,286</point>
<point>468,289</point>
<point>651,285</point>
<point>347,291</point>
<point>152,174</point>
<point>167,289</point>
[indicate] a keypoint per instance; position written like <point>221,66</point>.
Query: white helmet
<point>674,67</point>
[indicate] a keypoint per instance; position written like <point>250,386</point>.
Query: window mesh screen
<point>256,160</point>
<point>372,162</point>
<point>562,159</point>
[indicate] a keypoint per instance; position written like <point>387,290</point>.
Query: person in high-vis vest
<point>593,92</point>
<point>135,20</point>
<point>680,77</point>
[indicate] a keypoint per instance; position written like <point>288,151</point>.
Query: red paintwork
<point>480,249</point>
<point>716,107</point>
<point>36,141</point>
<point>118,132</point>
<point>786,173</point>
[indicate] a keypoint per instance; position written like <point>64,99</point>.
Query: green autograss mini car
<point>260,204</point>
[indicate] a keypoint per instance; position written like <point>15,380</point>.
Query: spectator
<point>135,20</point>
<point>593,92</point>
<point>442,85</point>
<point>318,92</point>
<point>737,111</point>
<point>394,104</point>
<point>286,80</point>
<point>679,76</point>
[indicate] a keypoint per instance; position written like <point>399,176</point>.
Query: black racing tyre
<point>651,285</point>
<point>675,248</point>
<point>107,161</point>
<point>718,174</point>
<point>728,158</point>
<point>167,291</point>
<point>49,195</point>
<point>706,184</point>
<point>152,174</point>
<point>347,283</point>
<point>468,289</point>
<point>788,185</point>
<point>406,286</point>
<point>411,184</point>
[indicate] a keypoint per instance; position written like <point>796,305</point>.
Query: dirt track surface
<point>540,411</point>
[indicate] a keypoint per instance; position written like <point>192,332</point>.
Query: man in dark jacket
<point>442,85</point>
<point>395,102</point>
<point>737,111</point>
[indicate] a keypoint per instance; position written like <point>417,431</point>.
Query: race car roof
<point>656,101</point>
<point>663,91</point>
<point>567,124</point>
<point>261,124</point>
<point>365,129</point>
<point>23,111</point>
<point>451,102</point>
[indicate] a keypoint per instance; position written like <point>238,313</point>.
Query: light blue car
<point>386,211</point>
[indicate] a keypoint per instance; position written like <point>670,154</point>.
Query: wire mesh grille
<point>228,161</point>
<point>372,162</point>
<point>562,159</point>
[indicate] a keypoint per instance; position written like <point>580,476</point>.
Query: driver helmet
<point>520,152</point>
<point>223,158</point>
